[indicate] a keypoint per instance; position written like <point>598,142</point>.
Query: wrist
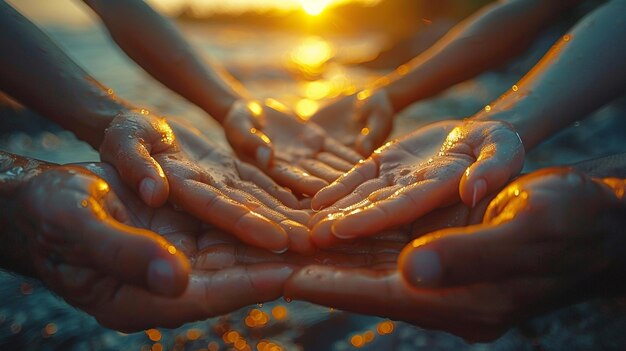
<point>94,117</point>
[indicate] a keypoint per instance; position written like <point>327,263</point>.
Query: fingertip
<point>321,199</point>
<point>322,235</point>
<point>153,193</point>
<point>261,232</point>
<point>420,267</point>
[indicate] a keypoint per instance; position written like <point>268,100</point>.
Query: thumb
<point>138,257</point>
<point>377,129</point>
<point>244,132</point>
<point>132,159</point>
<point>500,157</point>
<point>467,255</point>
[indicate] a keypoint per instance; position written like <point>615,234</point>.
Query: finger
<point>403,207</point>
<point>212,206</point>
<point>384,193</point>
<point>137,256</point>
<point>334,161</point>
<point>265,199</point>
<point>296,178</point>
<point>378,129</point>
<point>244,132</point>
<point>320,170</point>
<point>338,149</point>
<point>500,158</point>
<point>136,166</point>
<point>481,253</point>
<point>322,235</point>
<point>357,199</point>
<point>133,309</point>
<point>84,233</point>
<point>343,186</point>
<point>352,289</point>
<point>297,233</point>
<point>254,175</point>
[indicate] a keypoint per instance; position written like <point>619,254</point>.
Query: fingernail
<point>425,268</point>
<point>161,276</point>
<point>263,156</point>
<point>339,234</point>
<point>146,189</point>
<point>480,189</point>
<point>281,251</point>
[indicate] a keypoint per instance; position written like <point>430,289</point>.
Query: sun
<point>314,7</point>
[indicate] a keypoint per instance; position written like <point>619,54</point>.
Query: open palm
<point>305,158</point>
<point>416,174</point>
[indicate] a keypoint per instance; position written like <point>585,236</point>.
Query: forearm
<point>581,73</point>
<point>15,172</point>
<point>157,45</point>
<point>482,41</point>
<point>36,72</point>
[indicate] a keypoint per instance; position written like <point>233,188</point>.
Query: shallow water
<point>31,318</point>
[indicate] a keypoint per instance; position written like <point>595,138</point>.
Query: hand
<point>74,224</point>
<point>247,185</point>
<point>145,151</point>
<point>489,276</point>
<point>361,121</point>
<point>296,154</point>
<point>414,175</point>
<point>101,261</point>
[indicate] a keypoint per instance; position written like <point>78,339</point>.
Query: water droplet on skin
<point>83,204</point>
<point>515,88</point>
<point>144,111</point>
<point>487,108</point>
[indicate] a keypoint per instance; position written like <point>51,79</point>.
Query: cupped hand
<point>542,244</point>
<point>132,266</point>
<point>549,224</point>
<point>361,121</point>
<point>71,218</point>
<point>299,155</point>
<point>407,178</point>
<point>145,151</point>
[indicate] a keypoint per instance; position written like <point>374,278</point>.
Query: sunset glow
<point>314,7</point>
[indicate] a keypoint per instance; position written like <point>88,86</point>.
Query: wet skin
<point>416,174</point>
<point>202,182</point>
<point>536,249</point>
<point>299,155</point>
<point>96,245</point>
<point>368,120</point>
<point>98,256</point>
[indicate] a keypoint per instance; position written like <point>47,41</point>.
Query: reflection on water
<point>311,55</point>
